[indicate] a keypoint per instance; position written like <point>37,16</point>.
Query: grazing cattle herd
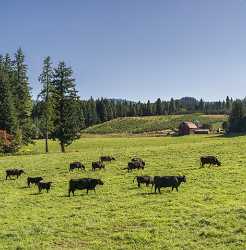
<point>90,184</point>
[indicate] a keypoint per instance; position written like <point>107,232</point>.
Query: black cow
<point>83,183</point>
<point>33,180</point>
<point>144,179</point>
<point>97,164</point>
<point>137,159</point>
<point>168,181</point>
<point>77,165</point>
<point>135,165</point>
<point>44,185</point>
<point>14,172</point>
<point>209,160</point>
<point>107,158</point>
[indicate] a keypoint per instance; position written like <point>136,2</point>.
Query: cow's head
<point>218,163</point>
<point>182,178</point>
<point>113,158</point>
<point>21,171</point>
<point>99,182</point>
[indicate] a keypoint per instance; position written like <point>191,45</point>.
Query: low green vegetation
<point>208,212</point>
<point>137,125</point>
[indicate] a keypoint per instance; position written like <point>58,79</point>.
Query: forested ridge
<point>59,113</point>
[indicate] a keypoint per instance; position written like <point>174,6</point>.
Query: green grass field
<point>137,125</point>
<point>208,212</point>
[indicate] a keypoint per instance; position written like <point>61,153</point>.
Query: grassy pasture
<point>208,212</point>
<point>137,125</point>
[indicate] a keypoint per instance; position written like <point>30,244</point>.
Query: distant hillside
<point>144,124</point>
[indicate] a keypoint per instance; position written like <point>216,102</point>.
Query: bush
<point>207,126</point>
<point>11,148</point>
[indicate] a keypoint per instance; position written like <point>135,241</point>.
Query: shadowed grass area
<point>137,125</point>
<point>208,212</point>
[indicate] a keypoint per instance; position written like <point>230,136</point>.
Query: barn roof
<point>190,125</point>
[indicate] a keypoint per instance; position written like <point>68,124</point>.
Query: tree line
<point>59,117</point>
<point>58,113</point>
<point>101,110</point>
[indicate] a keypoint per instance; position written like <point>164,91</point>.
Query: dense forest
<point>59,113</point>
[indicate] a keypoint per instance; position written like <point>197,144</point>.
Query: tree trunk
<point>46,143</point>
<point>62,147</point>
<point>46,138</point>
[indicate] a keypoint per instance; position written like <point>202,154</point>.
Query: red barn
<point>186,128</point>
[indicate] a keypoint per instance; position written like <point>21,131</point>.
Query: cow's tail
<point>134,178</point>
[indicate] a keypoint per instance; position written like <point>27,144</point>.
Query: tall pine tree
<point>22,98</point>
<point>7,110</point>
<point>45,79</point>
<point>67,121</point>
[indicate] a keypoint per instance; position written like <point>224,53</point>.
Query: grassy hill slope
<point>208,212</point>
<point>137,125</point>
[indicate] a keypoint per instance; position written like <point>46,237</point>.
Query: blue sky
<point>134,49</point>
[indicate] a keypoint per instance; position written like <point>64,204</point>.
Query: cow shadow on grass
<point>75,195</point>
<point>154,193</point>
<point>133,188</point>
<point>23,187</point>
<point>147,193</point>
<point>63,196</point>
<point>36,193</point>
<point>10,179</point>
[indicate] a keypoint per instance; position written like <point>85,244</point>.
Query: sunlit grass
<point>208,212</point>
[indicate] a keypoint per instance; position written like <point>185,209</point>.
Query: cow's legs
<point>139,184</point>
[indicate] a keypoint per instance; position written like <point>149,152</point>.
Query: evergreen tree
<point>158,106</point>
<point>228,104</point>
<point>237,122</point>
<point>22,97</point>
<point>7,110</point>
<point>45,79</point>
<point>67,121</point>
<point>201,105</point>
<point>148,108</point>
<point>91,114</point>
<point>109,109</point>
<point>172,107</point>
